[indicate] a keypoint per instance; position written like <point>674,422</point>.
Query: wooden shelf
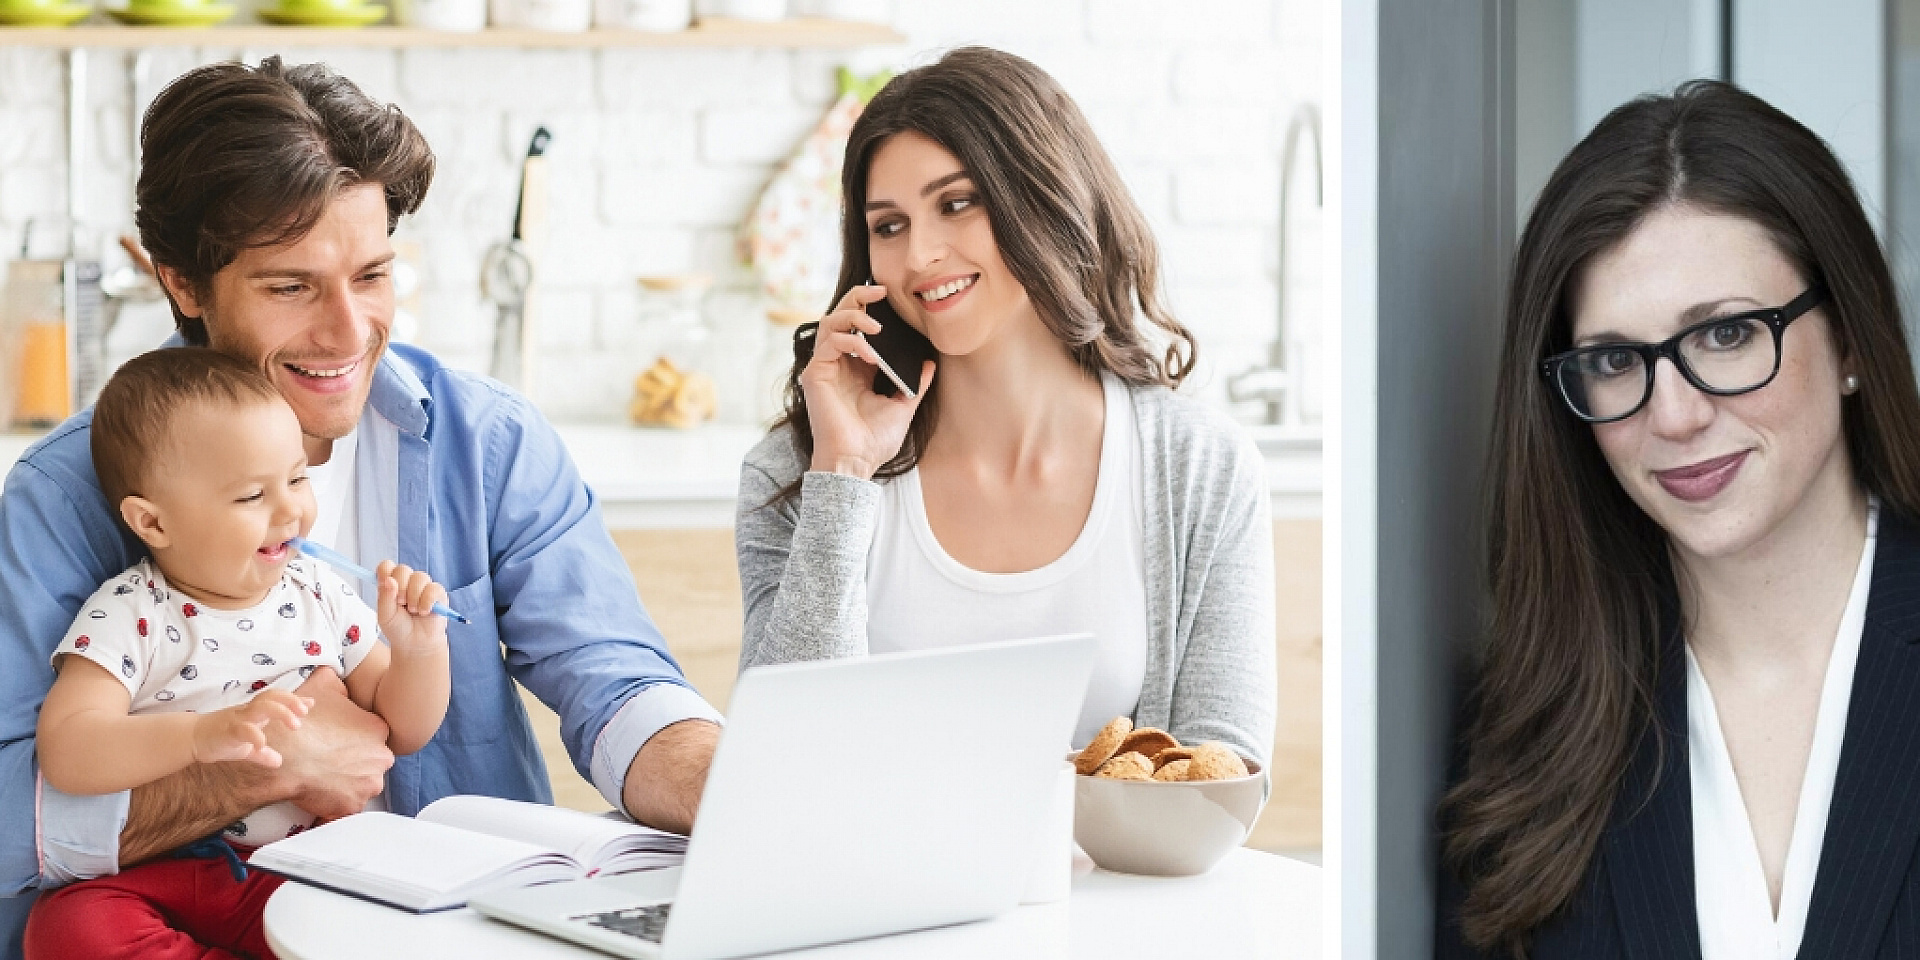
<point>798,32</point>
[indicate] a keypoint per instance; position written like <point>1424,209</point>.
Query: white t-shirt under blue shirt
<point>336,516</point>
<point>919,597</point>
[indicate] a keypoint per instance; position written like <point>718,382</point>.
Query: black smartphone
<point>901,346</point>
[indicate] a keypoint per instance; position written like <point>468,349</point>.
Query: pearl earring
<point>1850,385</point>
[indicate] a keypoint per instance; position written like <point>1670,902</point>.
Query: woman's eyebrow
<point>1701,311</point>
<point>943,181</point>
<point>1688,317</point>
<point>883,203</point>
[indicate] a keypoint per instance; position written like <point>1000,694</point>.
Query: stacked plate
<point>43,13</point>
<point>173,13</point>
<point>323,13</point>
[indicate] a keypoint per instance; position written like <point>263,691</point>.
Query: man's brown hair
<point>234,156</point>
<point>133,419</point>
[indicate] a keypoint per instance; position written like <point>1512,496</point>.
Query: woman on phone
<point>1046,479</point>
<point>1697,725</point>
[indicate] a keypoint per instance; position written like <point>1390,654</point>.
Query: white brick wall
<point>659,153</point>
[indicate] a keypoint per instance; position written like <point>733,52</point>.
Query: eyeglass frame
<point>1775,318</point>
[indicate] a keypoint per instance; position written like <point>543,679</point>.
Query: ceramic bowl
<point>1165,829</point>
<point>49,14</point>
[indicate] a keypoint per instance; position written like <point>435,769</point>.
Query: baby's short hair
<point>133,418</point>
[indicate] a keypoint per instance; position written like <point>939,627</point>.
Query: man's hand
<point>338,759</point>
<point>331,767</point>
<point>668,774</point>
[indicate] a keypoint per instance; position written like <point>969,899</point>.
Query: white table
<point>1252,905</point>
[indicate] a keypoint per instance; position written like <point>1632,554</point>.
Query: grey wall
<point>1545,124</point>
<point>1575,60</point>
<point>1825,63</point>
<point>1903,161</point>
<point>1445,216</point>
<point>1629,47</point>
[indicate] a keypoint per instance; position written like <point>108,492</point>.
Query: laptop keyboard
<point>644,923</point>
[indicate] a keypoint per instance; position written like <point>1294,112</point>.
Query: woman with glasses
<point>1696,727</point>
<point>1041,477</point>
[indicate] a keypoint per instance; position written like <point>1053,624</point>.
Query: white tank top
<point>919,597</point>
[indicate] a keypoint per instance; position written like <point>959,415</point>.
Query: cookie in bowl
<point>1172,812</point>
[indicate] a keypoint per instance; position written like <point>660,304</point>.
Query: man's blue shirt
<point>489,503</point>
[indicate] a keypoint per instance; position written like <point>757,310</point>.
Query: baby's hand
<point>406,612</point>
<point>239,732</point>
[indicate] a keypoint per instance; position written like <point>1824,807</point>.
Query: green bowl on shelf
<point>54,14</point>
<point>173,14</point>
<point>294,13</point>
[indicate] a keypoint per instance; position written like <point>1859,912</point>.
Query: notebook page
<point>590,840</point>
<point>413,863</point>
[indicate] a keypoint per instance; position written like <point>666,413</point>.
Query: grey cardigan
<point>1209,569</point>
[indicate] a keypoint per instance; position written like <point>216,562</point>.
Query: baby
<point>187,657</point>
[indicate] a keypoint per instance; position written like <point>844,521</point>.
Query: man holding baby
<point>266,198</point>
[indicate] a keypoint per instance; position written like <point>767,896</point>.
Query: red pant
<point>189,909</point>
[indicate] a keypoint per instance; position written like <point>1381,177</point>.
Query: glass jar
<point>676,387</point>
<point>34,326</point>
<point>655,16</point>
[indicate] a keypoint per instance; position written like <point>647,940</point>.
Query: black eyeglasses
<point>1724,356</point>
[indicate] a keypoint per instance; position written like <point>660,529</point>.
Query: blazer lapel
<point>1874,820</point>
<point>1649,843</point>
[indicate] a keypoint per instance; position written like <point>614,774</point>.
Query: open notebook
<point>460,845</point>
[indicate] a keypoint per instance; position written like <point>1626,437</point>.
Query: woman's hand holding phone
<point>855,430</point>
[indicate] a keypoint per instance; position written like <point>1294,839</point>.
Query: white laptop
<point>848,799</point>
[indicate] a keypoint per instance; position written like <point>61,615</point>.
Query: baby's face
<point>230,489</point>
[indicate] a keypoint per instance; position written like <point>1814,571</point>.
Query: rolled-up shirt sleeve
<point>646,713</point>
<point>79,836</point>
<point>58,543</point>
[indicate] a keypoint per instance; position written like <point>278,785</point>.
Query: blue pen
<point>344,565</point>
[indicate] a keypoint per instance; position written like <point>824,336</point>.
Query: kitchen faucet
<point>1278,382</point>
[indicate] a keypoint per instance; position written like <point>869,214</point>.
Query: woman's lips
<point>1703,480</point>
<point>952,300</point>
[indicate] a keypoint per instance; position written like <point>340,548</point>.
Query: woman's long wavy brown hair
<point>1066,226</point>
<point>1581,578</point>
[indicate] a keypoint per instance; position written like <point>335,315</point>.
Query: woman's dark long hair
<point>1064,222</point>
<point>1581,578</point>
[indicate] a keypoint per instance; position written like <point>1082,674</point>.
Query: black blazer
<point>1637,900</point>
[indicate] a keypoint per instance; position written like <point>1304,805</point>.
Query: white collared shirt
<point>1736,916</point>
